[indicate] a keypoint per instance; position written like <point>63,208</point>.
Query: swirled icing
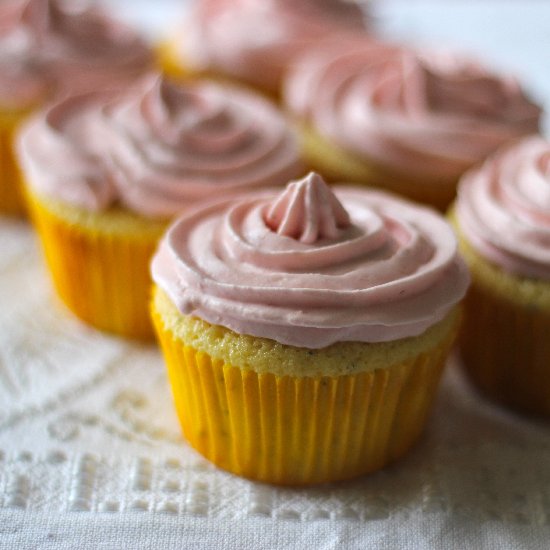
<point>427,114</point>
<point>257,40</point>
<point>386,269</point>
<point>158,147</point>
<point>503,208</point>
<point>307,211</point>
<point>53,47</point>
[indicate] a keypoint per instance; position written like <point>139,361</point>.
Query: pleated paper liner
<point>294,430</point>
<point>340,166</point>
<point>99,267</point>
<point>11,192</point>
<point>505,349</point>
<point>504,341</point>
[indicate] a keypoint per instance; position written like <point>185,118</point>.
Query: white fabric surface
<point>90,450</point>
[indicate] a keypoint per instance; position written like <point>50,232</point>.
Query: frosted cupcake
<point>305,330</point>
<point>502,215</point>
<point>256,41</point>
<point>106,171</point>
<point>50,48</point>
<point>411,122</point>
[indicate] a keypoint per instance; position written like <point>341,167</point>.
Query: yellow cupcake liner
<point>505,347</point>
<point>11,192</point>
<point>102,277</point>
<point>293,430</point>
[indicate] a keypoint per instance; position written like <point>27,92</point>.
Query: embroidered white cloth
<point>91,454</point>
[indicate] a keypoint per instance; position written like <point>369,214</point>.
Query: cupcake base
<point>505,351</point>
<point>338,165</point>
<point>11,190</point>
<point>99,263</point>
<point>505,339</point>
<point>331,417</point>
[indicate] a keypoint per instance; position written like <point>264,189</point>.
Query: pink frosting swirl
<point>307,211</point>
<point>158,147</point>
<point>428,115</point>
<point>53,47</point>
<point>256,40</point>
<point>384,269</point>
<point>503,208</point>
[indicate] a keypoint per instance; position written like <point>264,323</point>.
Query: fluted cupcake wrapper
<point>505,349</point>
<point>11,193</point>
<point>299,430</point>
<point>101,277</point>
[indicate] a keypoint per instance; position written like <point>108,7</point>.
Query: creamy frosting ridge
<point>503,208</point>
<point>52,47</point>
<point>257,40</point>
<point>308,267</point>
<point>158,147</point>
<point>423,114</point>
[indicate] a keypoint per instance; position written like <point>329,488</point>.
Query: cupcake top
<point>503,208</point>
<point>256,40</point>
<point>422,114</point>
<point>52,47</point>
<point>157,147</point>
<point>309,267</point>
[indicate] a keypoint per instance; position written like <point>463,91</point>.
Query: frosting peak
<point>307,210</point>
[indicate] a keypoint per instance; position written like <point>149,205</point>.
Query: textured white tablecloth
<point>90,450</point>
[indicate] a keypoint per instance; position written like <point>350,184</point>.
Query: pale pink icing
<point>54,47</point>
<point>158,147</point>
<point>256,40</point>
<point>503,208</point>
<point>428,114</point>
<point>389,271</point>
<point>307,211</point>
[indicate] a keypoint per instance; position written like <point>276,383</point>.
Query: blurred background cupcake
<point>49,49</point>
<point>408,121</point>
<point>256,41</point>
<point>105,171</point>
<point>305,330</point>
<point>502,216</point>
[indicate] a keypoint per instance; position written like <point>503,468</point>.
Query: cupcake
<point>502,216</point>
<point>408,121</point>
<point>50,48</point>
<point>255,41</point>
<point>105,171</point>
<point>305,330</point>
